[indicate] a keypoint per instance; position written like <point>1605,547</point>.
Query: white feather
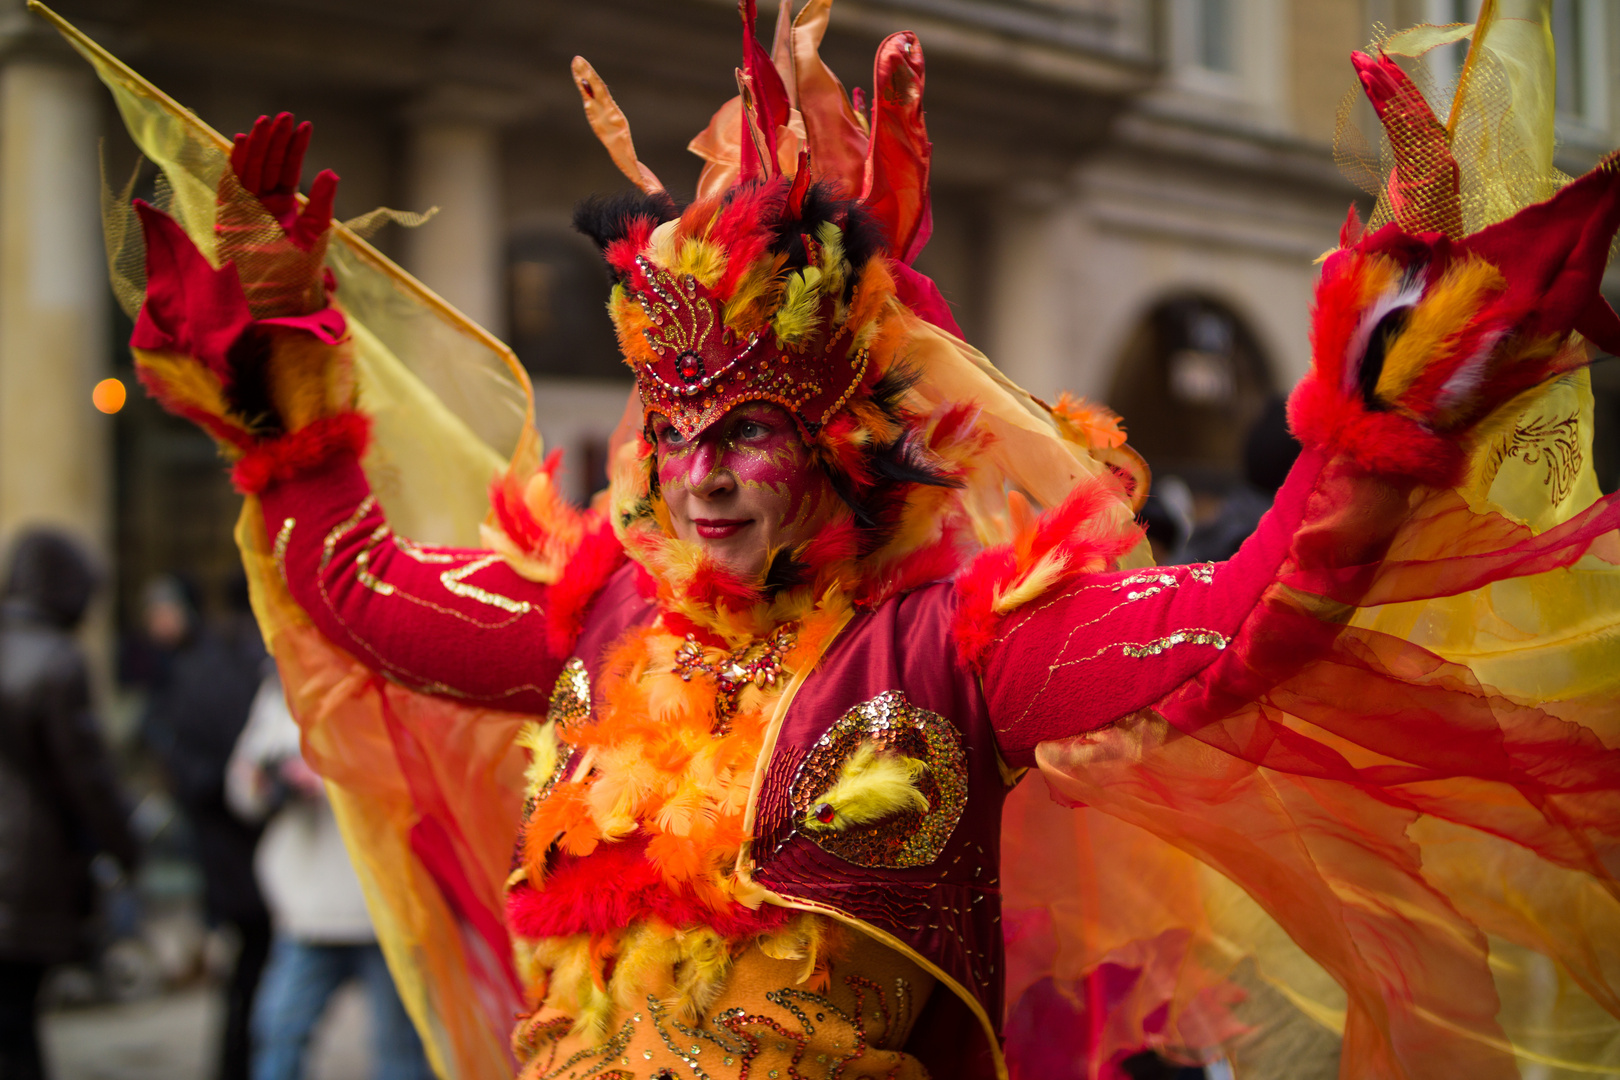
<point>1405,293</point>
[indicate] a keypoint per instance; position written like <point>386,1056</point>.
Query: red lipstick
<point>719,528</point>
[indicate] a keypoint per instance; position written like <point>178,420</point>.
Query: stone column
<point>54,465</point>
<point>455,164</point>
<point>55,461</point>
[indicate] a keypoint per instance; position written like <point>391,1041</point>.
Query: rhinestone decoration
<point>757,664</point>
<point>703,367</point>
<point>908,838</point>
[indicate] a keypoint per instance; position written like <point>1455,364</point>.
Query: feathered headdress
<point>788,279</point>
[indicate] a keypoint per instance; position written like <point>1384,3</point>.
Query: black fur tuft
<point>606,218</point>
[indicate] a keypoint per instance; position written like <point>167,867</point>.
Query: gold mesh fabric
<point>1498,128</point>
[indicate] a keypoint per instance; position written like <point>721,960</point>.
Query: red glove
<point>279,259</point>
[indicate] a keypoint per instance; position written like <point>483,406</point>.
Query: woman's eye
<point>671,436</point>
<point>752,429</point>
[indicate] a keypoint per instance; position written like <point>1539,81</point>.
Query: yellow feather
<point>869,787</point>
<point>702,259</point>
<point>831,238</point>
<point>1444,312</point>
<point>799,316</point>
<point>540,740</point>
<point>705,963</point>
<point>646,965</point>
<point>1041,577</point>
<point>661,245</point>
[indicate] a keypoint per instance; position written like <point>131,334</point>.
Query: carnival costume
<point>758,826</point>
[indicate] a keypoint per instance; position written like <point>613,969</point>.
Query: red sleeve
<point>1108,645</point>
<point>447,621</point>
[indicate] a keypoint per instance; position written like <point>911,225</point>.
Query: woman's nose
<point>709,467</point>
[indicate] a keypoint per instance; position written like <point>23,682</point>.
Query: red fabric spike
<point>836,140</point>
<point>895,188</point>
<point>770,104</point>
<point>191,308</point>
<point>1553,255</point>
<point>1423,186</point>
<point>801,184</point>
<point>1351,232</point>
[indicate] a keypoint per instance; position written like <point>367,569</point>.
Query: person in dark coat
<point>203,687</point>
<point>60,802</point>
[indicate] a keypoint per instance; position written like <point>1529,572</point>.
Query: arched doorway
<point>1190,382</point>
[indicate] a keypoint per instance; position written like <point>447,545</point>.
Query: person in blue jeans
<point>323,934</point>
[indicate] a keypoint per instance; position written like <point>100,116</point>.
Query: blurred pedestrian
<point>60,802</point>
<point>205,679</point>
<point>323,933</point>
<point>1268,453</point>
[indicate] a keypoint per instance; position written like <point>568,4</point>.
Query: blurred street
<point>169,1037</point>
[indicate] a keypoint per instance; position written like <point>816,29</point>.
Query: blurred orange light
<point>109,395</point>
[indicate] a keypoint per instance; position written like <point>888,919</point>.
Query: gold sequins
<point>283,538</point>
<point>455,583</point>
<point>909,837</point>
<point>329,545</point>
<point>1170,641</point>
<point>571,695</point>
<point>362,563</point>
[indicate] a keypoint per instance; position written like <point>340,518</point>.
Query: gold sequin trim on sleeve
<point>283,538</point>
<point>454,582</point>
<point>1170,641</point>
<point>362,564</point>
<point>329,545</point>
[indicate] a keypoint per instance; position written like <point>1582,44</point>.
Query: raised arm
<point>1424,346</point>
<point>257,353</point>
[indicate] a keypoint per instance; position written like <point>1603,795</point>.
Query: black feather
<point>1383,335</point>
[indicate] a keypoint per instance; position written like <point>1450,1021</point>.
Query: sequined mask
<point>703,367</point>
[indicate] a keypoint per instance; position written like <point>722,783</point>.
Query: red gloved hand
<point>268,162</point>
<point>280,263</point>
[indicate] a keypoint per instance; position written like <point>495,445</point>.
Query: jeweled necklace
<point>758,662</point>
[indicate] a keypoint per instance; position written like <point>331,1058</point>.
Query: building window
<point>557,292</point>
<point>1215,35</point>
<point>1579,37</point>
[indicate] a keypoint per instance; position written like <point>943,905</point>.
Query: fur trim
<point>1082,536</point>
<point>300,451</point>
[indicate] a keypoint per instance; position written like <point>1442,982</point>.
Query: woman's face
<point>742,487</point>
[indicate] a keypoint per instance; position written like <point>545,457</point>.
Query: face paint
<point>744,486</point>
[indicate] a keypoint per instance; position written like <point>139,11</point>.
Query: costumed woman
<point>750,722</point>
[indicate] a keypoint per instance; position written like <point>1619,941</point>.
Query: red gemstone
<point>825,813</point>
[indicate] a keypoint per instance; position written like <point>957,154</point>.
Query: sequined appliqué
<point>909,837</point>
<point>571,696</point>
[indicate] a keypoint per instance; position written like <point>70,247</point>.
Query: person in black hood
<point>60,802</point>
<point>206,677</point>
